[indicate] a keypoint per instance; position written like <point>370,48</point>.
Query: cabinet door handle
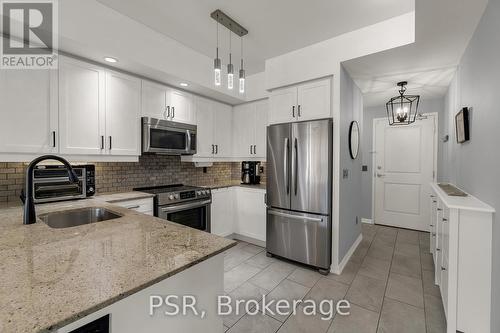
<point>298,110</point>
<point>173,112</point>
<point>133,207</point>
<point>439,209</point>
<point>216,149</point>
<point>445,220</point>
<point>437,249</point>
<point>255,149</point>
<point>443,268</point>
<point>168,112</point>
<point>293,111</point>
<point>110,143</point>
<point>431,225</point>
<point>213,149</point>
<point>53,139</point>
<point>434,201</point>
<point>433,234</point>
<point>102,142</point>
<point>250,149</point>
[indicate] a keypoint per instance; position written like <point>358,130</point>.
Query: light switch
<point>345,173</point>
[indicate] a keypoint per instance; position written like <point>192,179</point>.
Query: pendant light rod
<point>229,23</point>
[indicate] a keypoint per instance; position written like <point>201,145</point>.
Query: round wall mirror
<point>354,139</point>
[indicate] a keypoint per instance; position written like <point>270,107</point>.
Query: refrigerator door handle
<point>296,165</point>
<point>296,217</point>
<point>285,166</point>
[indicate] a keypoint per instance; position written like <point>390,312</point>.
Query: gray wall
<point>370,113</point>
<point>474,165</point>
<point>351,108</point>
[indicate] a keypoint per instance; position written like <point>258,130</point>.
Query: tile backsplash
<point>123,176</point>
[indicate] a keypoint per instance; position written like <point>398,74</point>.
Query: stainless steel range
<point>187,205</point>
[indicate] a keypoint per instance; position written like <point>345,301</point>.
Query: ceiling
<point>275,27</point>
<point>443,30</point>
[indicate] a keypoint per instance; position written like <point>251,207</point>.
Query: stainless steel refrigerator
<point>299,192</point>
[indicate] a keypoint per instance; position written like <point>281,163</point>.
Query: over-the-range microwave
<point>168,137</point>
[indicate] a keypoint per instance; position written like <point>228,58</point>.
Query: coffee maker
<point>250,172</point>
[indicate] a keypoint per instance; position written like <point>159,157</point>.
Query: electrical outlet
<point>345,173</point>
<point>364,168</point>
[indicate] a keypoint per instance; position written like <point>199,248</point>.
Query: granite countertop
<point>123,196</point>
<point>51,277</point>
<point>237,183</point>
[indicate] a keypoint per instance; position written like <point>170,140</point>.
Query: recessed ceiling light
<point>110,59</point>
<point>183,84</point>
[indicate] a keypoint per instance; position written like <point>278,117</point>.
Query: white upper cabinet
<point>223,133</point>
<point>154,102</point>
<point>249,130</point>
<point>307,101</point>
<point>180,107</point>
<point>205,127</point>
<point>214,133</point>
<point>282,105</point>
<point>28,111</point>
<point>162,102</point>
<point>81,107</point>
<point>313,100</point>
<point>123,105</point>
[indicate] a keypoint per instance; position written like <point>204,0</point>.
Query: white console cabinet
<point>460,242</point>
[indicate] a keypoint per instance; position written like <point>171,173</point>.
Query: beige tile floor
<point>388,281</point>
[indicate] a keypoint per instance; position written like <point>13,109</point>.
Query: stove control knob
<point>198,192</point>
<point>176,196</point>
<point>170,197</point>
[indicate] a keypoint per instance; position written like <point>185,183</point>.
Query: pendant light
<point>230,67</point>
<point>217,62</point>
<point>402,109</point>
<point>242,71</point>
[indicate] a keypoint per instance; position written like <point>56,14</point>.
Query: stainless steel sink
<point>76,217</point>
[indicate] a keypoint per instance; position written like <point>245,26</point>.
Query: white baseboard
<point>247,239</point>
<point>367,221</point>
<point>348,255</point>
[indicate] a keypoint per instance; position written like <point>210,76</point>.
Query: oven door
<point>195,214</point>
<point>164,137</point>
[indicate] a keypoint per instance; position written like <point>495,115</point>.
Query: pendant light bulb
<point>242,72</point>
<point>217,62</point>
<point>230,68</point>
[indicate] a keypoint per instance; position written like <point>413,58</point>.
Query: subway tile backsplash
<point>124,176</point>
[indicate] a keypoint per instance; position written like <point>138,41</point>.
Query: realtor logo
<point>29,34</point>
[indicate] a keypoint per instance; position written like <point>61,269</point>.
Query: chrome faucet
<point>29,205</point>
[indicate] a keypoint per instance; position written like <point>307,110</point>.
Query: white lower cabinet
<point>239,210</point>
<point>461,245</point>
<point>222,219</point>
<point>144,205</point>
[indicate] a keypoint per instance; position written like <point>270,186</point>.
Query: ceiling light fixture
<point>217,62</point>
<point>110,59</point>
<point>230,67</point>
<point>402,109</point>
<point>183,84</point>
<point>237,29</point>
<point>242,71</point>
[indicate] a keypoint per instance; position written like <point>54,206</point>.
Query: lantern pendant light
<point>402,109</point>
<point>217,62</point>
<point>242,71</point>
<point>230,67</point>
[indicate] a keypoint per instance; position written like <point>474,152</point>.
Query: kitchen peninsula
<point>59,279</point>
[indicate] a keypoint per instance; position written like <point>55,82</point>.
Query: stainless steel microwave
<point>168,137</point>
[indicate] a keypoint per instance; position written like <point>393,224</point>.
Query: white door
<point>223,131</point>
<point>261,112</point>
<point>205,131</point>
<point>283,105</point>
<point>181,108</point>
<point>243,130</point>
<point>404,165</point>
<point>154,103</point>
<point>123,104</point>
<point>28,112</point>
<point>81,108</point>
<point>314,100</point>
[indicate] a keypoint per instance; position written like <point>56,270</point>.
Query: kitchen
<point>155,153</point>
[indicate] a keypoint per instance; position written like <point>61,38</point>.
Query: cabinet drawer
<point>139,205</point>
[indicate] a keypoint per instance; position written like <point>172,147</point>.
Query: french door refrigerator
<point>299,192</point>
